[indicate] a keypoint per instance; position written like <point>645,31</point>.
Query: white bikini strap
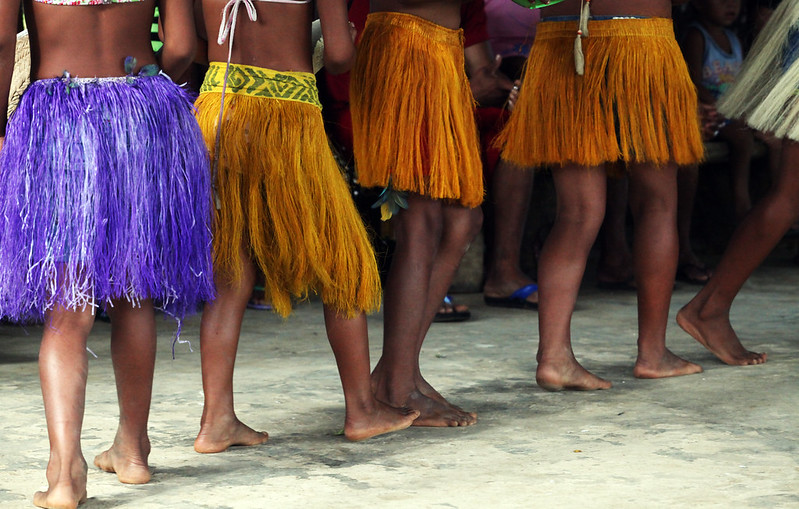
<point>227,30</point>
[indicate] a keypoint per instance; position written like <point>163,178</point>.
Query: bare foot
<point>433,413</point>
<point>63,492</point>
<point>429,391</point>
<point>218,436</point>
<point>382,419</point>
<point>434,410</point>
<point>717,335</point>
<point>664,366</point>
<point>567,375</point>
<point>130,464</point>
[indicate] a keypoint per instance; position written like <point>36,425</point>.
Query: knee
<point>465,224</point>
<point>71,321</point>
<point>417,231</point>
<point>740,138</point>
<point>473,222</point>
<point>654,205</point>
<point>787,198</point>
<point>586,217</point>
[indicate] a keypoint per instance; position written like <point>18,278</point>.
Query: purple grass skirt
<point>107,196</point>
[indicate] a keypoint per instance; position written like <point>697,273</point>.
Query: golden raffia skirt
<point>413,112</point>
<point>634,104</point>
<point>280,194</point>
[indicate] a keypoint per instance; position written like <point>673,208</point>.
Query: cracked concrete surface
<point>723,438</point>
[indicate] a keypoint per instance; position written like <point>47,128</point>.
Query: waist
<point>261,82</point>
<point>420,27</point>
<point>613,27</point>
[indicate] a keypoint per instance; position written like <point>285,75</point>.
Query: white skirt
<point>766,92</point>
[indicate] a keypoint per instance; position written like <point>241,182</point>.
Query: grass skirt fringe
<point>413,111</point>
<point>282,197</point>
<point>635,103</point>
<point>106,196</point>
<point>766,92</point>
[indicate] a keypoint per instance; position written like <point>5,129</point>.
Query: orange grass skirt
<point>413,112</point>
<point>635,104</point>
<point>281,196</point>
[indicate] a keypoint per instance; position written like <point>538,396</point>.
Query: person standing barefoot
<point>111,208</point>
<point>588,99</point>
<point>415,137</point>
<point>764,96</point>
<point>282,204</point>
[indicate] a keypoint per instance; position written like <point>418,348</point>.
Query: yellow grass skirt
<point>413,111</point>
<point>636,102</point>
<point>766,92</point>
<point>280,194</point>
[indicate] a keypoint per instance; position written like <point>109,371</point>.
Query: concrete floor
<point>724,438</point>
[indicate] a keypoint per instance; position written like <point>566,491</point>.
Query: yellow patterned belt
<point>261,82</point>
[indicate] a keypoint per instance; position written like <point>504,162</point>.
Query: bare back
<point>446,13</point>
<point>88,41</point>
<point>93,41</point>
<point>279,39</point>
<point>648,8</point>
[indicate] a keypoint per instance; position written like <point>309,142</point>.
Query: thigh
<point>422,219</point>
<point>581,191</point>
<point>653,186</point>
<point>788,180</point>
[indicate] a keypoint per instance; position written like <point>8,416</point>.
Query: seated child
<point>714,56</point>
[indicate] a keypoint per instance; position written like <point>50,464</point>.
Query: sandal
<point>516,300</point>
<point>452,315</point>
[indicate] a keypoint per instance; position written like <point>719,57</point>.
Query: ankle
<point>356,407</point>
<point>133,443</point>
<point>555,355</point>
<point>66,470</point>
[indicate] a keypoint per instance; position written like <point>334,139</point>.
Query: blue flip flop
<point>516,300</point>
<point>451,316</point>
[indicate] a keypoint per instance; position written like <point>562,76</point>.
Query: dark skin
<point>89,42</point>
<point>581,198</point>
<point>514,185</point>
<point>446,13</point>
<point>432,236</point>
<point>649,8</point>
<point>280,40</point>
<point>707,316</point>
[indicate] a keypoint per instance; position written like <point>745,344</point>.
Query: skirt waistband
<point>417,25</point>
<point>261,82</point>
<point>627,27</point>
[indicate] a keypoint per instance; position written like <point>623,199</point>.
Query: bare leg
<point>133,344</point>
<point>741,142</point>
<point>707,316</point>
<point>365,415</point>
<point>63,369</point>
<point>581,206</point>
<point>431,239</point>
<point>219,340</point>
<point>615,260</point>
<point>691,267</point>
<point>511,190</point>
<point>460,226</point>
<point>653,201</point>
<point>774,145</point>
